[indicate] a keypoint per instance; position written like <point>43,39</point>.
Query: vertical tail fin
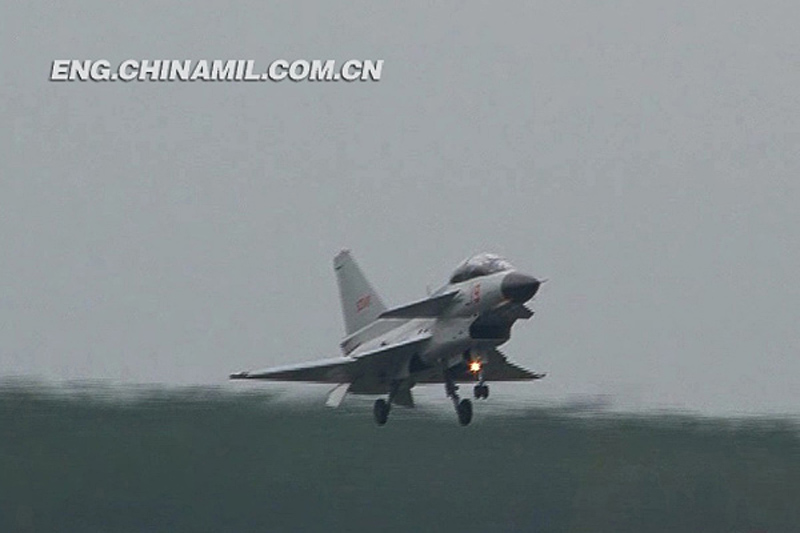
<point>361,305</point>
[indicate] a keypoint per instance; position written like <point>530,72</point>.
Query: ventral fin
<point>336,396</point>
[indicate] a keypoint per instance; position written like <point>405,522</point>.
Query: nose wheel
<point>481,391</point>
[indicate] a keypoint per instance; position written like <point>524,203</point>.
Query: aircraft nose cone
<point>519,288</point>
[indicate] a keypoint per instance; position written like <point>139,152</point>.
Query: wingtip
<point>239,375</point>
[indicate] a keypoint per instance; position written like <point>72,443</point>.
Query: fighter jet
<point>450,337</point>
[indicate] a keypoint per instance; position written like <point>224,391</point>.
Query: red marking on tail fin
<point>362,303</point>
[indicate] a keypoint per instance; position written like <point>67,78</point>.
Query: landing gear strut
<point>475,366</point>
<point>463,407</point>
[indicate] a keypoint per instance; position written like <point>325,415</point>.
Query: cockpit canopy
<point>479,265</point>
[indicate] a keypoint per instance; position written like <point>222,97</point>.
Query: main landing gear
<point>463,407</point>
<point>464,412</point>
<point>381,411</point>
<point>382,407</point>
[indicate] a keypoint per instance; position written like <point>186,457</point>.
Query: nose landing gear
<point>481,391</point>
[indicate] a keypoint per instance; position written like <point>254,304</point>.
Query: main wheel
<point>381,411</point>
<point>464,411</point>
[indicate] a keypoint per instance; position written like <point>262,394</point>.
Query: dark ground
<point>199,460</point>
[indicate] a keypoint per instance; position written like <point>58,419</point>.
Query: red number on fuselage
<point>476,293</point>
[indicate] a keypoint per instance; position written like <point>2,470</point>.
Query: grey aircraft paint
<point>450,336</point>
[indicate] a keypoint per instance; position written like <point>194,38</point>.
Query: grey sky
<point>642,155</point>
